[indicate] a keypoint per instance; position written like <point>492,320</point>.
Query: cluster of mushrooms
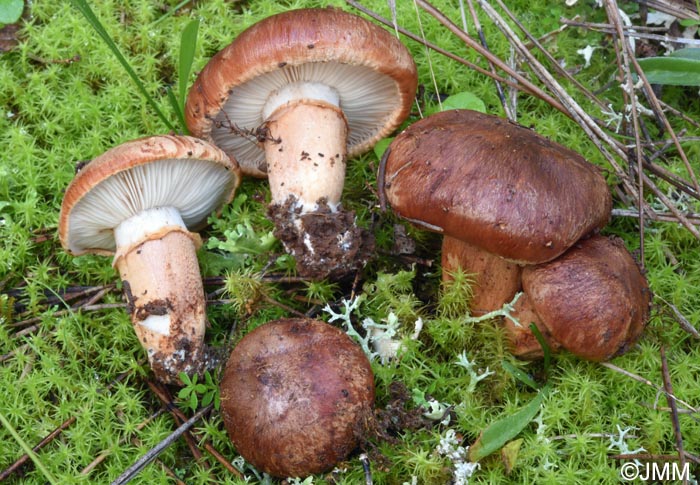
<point>291,99</point>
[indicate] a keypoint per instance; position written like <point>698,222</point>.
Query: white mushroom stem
<point>157,262</point>
<point>306,149</point>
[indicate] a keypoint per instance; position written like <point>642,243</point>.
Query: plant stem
<point>27,449</point>
<point>90,16</point>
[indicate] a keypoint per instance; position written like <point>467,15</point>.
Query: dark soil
<point>326,244</point>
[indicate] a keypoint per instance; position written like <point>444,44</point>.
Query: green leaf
<point>186,379</point>
<point>687,53</point>
<point>10,11</point>
<point>681,68</point>
<point>464,100</point>
<point>505,429</point>
<point>184,393</point>
<point>689,22</point>
<point>188,45</point>
<point>193,401</point>
<point>207,398</point>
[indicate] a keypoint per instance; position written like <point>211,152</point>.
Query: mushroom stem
<point>306,156</point>
<point>522,342</point>
<point>495,280</point>
<point>306,153</point>
<point>157,261</point>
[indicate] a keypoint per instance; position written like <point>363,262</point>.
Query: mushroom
<point>291,98</point>
<point>139,201</point>
<point>296,397</point>
<point>592,301</point>
<point>502,196</point>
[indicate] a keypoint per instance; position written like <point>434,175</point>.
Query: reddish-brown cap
<point>370,68</point>
<point>593,300</point>
<point>182,172</point>
<point>296,396</point>
<point>494,184</point>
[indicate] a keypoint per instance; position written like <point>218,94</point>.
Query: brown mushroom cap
<point>183,172</point>
<point>296,396</point>
<point>593,300</point>
<point>372,71</point>
<point>494,184</point>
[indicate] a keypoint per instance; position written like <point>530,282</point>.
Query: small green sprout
<point>195,394</point>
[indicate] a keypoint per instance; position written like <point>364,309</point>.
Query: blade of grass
<point>175,104</point>
<point>92,19</point>
<point>521,376</point>
<point>171,12</point>
<point>28,450</point>
<point>545,348</point>
<point>188,45</point>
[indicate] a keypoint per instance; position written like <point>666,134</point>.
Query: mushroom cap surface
<point>183,172</point>
<point>370,68</point>
<point>593,300</point>
<point>296,396</point>
<point>494,184</point>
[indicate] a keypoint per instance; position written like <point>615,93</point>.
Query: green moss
<point>89,365</point>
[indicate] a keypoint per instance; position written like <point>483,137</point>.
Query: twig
<point>631,32</point>
<point>670,8</point>
<point>25,458</point>
<point>151,455</point>
<point>668,387</point>
<point>647,457</point>
<point>101,457</point>
<point>683,322</point>
<point>623,53</point>
<point>653,100</point>
<point>284,307</point>
<point>523,83</point>
<point>595,133</point>
<point>647,382</point>
<point>13,352</point>
<point>364,459</point>
<point>86,308</point>
<point>482,38</point>
<point>589,435</point>
<point>656,216</point>
<point>179,418</point>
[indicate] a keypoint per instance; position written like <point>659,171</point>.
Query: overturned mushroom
<point>592,301</point>
<point>297,396</point>
<point>502,196</point>
<point>291,98</point>
<point>139,201</point>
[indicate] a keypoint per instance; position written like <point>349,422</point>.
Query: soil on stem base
<point>326,244</point>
